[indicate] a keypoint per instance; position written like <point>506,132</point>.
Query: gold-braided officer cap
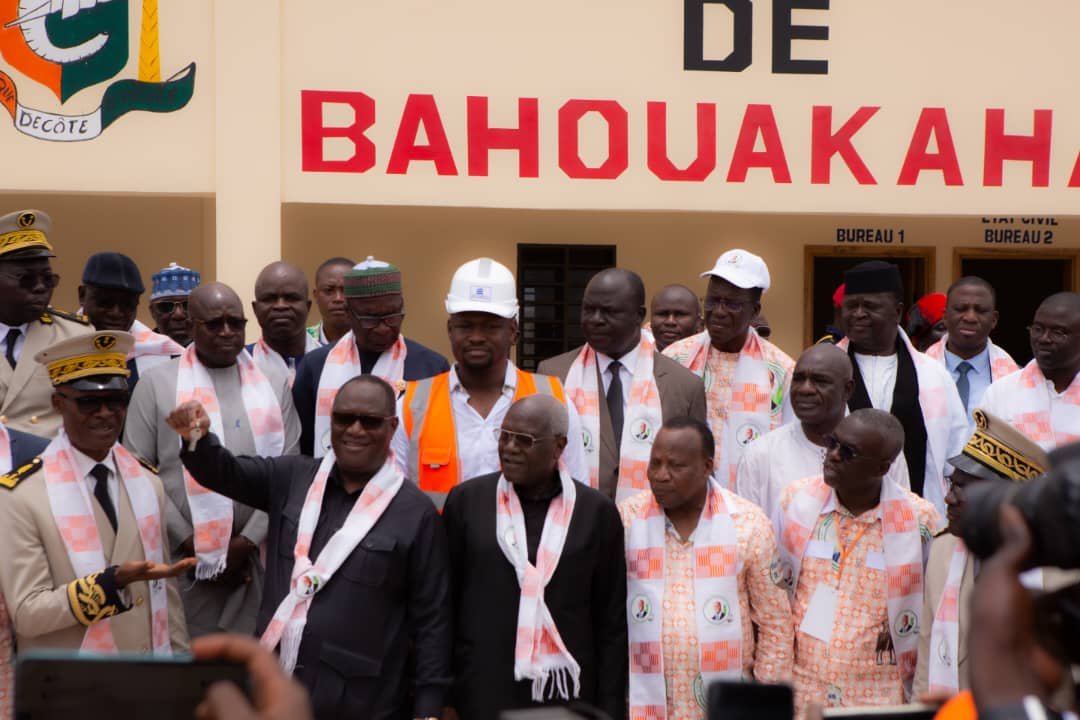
<point>998,450</point>
<point>24,235</point>
<point>96,361</point>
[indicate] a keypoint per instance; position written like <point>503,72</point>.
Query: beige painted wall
<point>664,247</point>
<point>152,230</point>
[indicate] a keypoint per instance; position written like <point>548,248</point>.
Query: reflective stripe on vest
<point>428,417</point>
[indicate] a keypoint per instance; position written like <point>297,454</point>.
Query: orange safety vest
<point>428,416</point>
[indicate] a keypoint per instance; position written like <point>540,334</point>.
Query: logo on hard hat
<point>480,292</point>
<point>68,46</point>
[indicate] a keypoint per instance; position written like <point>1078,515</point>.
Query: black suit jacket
<point>24,447</point>
<point>420,362</point>
<point>586,597</point>
<point>389,597</point>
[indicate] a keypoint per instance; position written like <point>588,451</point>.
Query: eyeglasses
<point>90,404</point>
<point>1056,334</point>
<point>370,322</point>
<point>847,452</point>
<point>218,324</point>
<point>368,422</point>
<point>168,307</point>
<point>525,440</point>
<point>729,304</point>
<point>125,303</point>
<point>30,280</point>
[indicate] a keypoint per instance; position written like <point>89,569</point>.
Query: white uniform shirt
<point>19,342</point>
<point>84,464</point>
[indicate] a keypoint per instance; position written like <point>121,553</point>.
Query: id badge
<point>820,614</point>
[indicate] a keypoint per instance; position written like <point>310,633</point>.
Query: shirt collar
<point>509,382</point>
<point>628,361</point>
<point>85,464</point>
<point>980,363</point>
<point>831,505</point>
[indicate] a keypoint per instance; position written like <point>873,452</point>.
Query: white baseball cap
<point>483,285</point>
<point>741,269</point>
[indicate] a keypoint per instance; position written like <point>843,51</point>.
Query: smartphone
<point>51,684</point>
<point>736,700</point>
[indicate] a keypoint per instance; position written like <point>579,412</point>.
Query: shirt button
<point>33,419</point>
<point>139,600</point>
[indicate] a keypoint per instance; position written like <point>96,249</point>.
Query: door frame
<point>1070,255</point>
<point>927,252</point>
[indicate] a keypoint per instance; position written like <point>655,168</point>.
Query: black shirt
<point>389,598</point>
<point>535,512</point>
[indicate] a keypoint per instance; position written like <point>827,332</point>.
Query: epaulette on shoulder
<point>73,317</point>
<point>13,478</point>
<point>147,464</point>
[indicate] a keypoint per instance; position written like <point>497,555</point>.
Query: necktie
<point>101,492</point>
<point>12,337</point>
<point>615,401</point>
<point>962,385</point>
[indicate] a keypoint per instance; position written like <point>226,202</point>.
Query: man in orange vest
<point>449,423</point>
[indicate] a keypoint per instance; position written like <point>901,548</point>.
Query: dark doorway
<point>1021,284</point>
<point>551,281</point>
<point>825,268</point>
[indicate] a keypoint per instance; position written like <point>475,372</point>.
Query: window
<point>551,281</point>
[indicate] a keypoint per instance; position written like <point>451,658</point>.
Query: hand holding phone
<point>275,696</point>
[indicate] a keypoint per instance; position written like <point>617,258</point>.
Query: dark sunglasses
<point>30,280</point>
<point>218,324</point>
<point>168,307</point>
<point>847,452</point>
<point>90,404</point>
<point>367,422</point>
<point>526,441</point>
<point>370,322</point>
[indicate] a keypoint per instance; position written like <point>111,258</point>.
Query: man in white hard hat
<point>449,422</point>
<point>746,377</point>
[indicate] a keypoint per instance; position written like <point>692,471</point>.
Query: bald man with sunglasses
<point>28,324</point>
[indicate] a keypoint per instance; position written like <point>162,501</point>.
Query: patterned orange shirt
<point>762,605</point>
<point>720,371</point>
<point>857,666</point>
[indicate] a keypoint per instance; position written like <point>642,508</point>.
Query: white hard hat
<point>741,269</point>
<point>483,285</point>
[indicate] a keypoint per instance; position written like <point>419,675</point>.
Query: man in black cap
<point>109,296</point>
<point>890,374</point>
<point>27,322</point>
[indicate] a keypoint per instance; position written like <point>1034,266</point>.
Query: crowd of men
<point>678,501</point>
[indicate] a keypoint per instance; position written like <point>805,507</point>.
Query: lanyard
<point>845,552</point>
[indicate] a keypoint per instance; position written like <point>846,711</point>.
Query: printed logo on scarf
<point>717,610</point>
<point>641,608</point>
<point>747,433</point>
<point>907,623</point>
<point>642,430</point>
